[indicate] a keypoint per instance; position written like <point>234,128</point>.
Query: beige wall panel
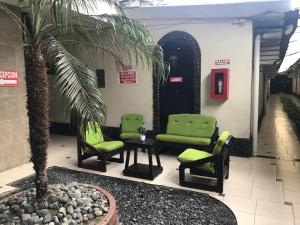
<point>14,131</point>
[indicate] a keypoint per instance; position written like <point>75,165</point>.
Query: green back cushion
<point>131,122</point>
<point>194,125</point>
<point>220,143</point>
<point>93,135</point>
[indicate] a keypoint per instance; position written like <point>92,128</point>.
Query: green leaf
<point>76,83</point>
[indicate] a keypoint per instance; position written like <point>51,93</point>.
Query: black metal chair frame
<point>221,171</point>
<point>102,156</point>
<point>179,146</point>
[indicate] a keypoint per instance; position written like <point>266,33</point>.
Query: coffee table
<point>139,170</point>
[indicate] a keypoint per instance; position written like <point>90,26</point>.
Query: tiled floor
<point>260,191</point>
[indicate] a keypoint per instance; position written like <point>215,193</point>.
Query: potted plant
<point>142,131</point>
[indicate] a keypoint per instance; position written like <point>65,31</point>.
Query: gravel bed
<point>146,204</point>
<point>69,204</point>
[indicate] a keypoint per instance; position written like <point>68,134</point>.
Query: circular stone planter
<point>111,217</point>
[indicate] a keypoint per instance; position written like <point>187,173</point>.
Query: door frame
<point>196,74</point>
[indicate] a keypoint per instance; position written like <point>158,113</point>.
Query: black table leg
<point>127,158</point>
<point>150,159</point>
<point>135,156</point>
<point>157,157</point>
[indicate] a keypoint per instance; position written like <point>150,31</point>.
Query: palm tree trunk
<point>37,105</point>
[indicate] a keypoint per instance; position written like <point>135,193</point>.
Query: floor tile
<point>262,220</point>
<point>296,210</point>
<point>244,218</point>
<point>274,210</point>
<point>292,196</point>
<point>263,194</point>
<point>246,205</point>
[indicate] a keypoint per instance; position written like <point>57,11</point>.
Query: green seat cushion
<point>190,155</point>
<point>184,139</point>
<point>220,143</point>
<point>191,125</point>
<point>109,146</point>
<point>128,135</point>
<point>130,122</point>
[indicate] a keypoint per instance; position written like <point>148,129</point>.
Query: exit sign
<point>9,78</point>
<point>176,79</point>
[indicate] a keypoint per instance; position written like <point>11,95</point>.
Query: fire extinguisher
<point>220,86</point>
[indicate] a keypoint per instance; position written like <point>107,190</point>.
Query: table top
<point>137,141</point>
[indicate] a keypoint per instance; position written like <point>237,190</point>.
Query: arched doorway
<point>181,93</point>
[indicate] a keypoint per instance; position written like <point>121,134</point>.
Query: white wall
<point>216,41</point>
<point>298,86</point>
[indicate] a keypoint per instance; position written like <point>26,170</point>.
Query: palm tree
<point>53,25</point>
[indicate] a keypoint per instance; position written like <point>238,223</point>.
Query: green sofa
<point>189,130</point>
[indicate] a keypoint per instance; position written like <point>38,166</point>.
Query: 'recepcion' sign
<point>9,78</point>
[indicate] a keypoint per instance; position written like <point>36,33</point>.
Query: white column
<point>255,94</point>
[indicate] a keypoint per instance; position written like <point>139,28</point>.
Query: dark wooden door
<point>177,95</point>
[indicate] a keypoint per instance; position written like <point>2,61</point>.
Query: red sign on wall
<point>9,78</point>
<point>176,79</point>
<point>128,77</point>
<point>222,61</point>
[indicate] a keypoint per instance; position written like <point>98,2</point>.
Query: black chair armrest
<point>225,153</point>
<point>215,135</point>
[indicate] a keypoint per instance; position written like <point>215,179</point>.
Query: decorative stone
<point>95,197</point>
<point>52,198</point>
<point>42,212</point>
<point>72,203</point>
<point>55,219</point>
<point>28,208</point>
<point>90,216</point>
<point>98,213</point>
<point>26,217</point>
<point>62,210</point>
<point>47,218</point>
<point>60,215</point>
<point>70,209</point>
<point>54,206</point>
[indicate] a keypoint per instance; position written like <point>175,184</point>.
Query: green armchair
<point>204,164</point>
<point>92,143</point>
<point>129,125</point>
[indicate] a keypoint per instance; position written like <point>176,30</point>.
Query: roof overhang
<point>275,29</point>
<point>274,20</point>
<point>293,70</point>
<point>229,10</point>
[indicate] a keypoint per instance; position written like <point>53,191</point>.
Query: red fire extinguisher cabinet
<point>219,86</point>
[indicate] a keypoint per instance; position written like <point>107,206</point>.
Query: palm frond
<point>126,40</point>
<point>47,13</point>
<point>76,83</point>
